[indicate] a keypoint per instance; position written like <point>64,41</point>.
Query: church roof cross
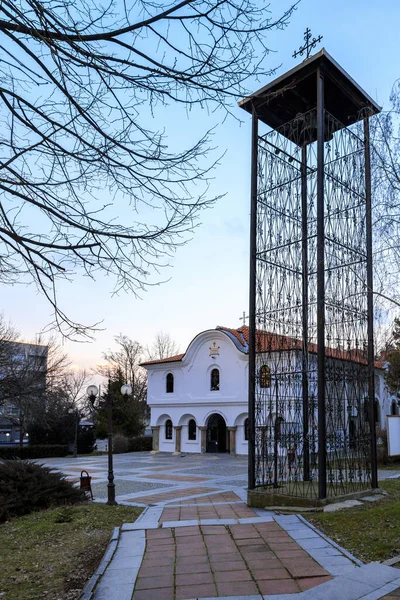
<point>308,46</point>
<point>243,318</point>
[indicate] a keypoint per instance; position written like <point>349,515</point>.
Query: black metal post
<point>276,433</point>
<point>75,455</point>
<point>321,287</point>
<point>252,303</point>
<point>304,377</point>
<point>370,304</point>
<point>111,484</point>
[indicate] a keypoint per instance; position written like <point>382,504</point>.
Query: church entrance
<point>217,439</point>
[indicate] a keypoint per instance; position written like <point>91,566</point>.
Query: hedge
<point>40,451</point>
<point>140,444</point>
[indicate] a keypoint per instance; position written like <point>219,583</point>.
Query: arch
<point>240,419</point>
<point>214,380</point>
<point>192,430</point>
<point>168,429</point>
<point>161,419</point>
<point>265,376</point>
<point>169,383</point>
<point>215,412</point>
<point>217,434</point>
<point>184,419</point>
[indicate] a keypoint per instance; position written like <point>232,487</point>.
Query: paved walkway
<point>197,538</point>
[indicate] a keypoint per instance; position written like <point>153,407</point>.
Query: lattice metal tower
<point>311,356</point>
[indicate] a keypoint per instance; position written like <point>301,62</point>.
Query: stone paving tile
<point>175,478</point>
<point>279,586</point>
<point>186,591</point>
<point>150,583</point>
<point>167,496</point>
<point>215,561</point>
<point>164,594</point>
<point>305,583</point>
<point>237,588</point>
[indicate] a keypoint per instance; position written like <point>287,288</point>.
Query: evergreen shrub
<point>27,487</point>
<point>120,444</point>
<point>140,444</point>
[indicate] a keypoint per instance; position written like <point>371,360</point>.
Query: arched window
<point>192,430</point>
<point>170,383</point>
<point>246,429</point>
<point>265,376</point>
<point>394,408</point>
<point>168,429</point>
<point>214,380</point>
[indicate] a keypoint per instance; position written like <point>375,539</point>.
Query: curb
<point>87,592</point>
<point>347,554</point>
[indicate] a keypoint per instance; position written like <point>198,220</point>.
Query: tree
<point>163,346</point>
<point>392,375</point>
<point>80,83</point>
<point>128,411</point>
<point>385,145</point>
<point>58,421</point>
<point>123,366</point>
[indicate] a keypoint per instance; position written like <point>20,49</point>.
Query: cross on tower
<point>243,318</point>
<point>309,44</point>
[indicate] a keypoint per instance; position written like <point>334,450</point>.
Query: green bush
<point>39,451</point>
<point>140,444</point>
<point>27,487</point>
<point>120,443</point>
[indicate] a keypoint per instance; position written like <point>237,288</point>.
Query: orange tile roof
<point>272,342</point>
<point>175,358</point>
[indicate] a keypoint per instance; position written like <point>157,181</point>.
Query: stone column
<point>178,431</point>
<point>203,439</point>
<point>156,440</point>
<point>232,440</point>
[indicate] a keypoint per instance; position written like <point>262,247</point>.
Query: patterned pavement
<point>197,538</point>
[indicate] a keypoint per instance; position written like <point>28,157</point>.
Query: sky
<point>207,282</point>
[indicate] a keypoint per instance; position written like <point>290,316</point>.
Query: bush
<point>27,487</point>
<point>40,451</point>
<point>140,444</point>
<point>120,444</point>
<point>86,440</point>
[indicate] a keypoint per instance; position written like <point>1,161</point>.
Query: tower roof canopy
<point>295,92</point>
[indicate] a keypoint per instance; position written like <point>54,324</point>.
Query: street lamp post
<point>126,390</point>
<point>75,411</point>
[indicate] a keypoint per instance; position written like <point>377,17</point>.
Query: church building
<point>198,400</point>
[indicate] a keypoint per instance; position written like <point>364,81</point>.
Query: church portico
<point>198,400</point>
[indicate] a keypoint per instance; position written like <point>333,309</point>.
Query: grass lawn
<point>51,554</point>
<point>370,532</point>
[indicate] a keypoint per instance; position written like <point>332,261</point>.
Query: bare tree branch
<point>87,184</point>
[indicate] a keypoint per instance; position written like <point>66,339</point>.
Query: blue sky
<point>208,278</point>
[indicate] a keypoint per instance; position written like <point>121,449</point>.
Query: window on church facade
<point>168,429</point>
<point>246,429</point>
<point>170,383</point>
<point>214,380</point>
<point>192,429</point>
<point>265,376</point>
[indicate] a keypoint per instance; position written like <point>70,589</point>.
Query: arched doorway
<point>217,440</point>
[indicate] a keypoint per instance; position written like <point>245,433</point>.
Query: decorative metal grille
<point>286,410</point>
